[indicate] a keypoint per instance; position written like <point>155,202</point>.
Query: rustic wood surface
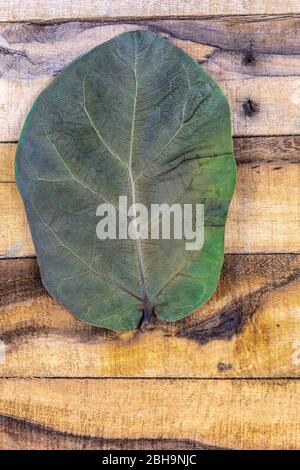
<point>228,375</point>
<point>133,413</point>
<point>37,10</point>
<point>264,215</point>
<point>249,328</point>
<point>245,55</point>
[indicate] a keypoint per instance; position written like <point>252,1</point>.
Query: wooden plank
<point>38,10</point>
<point>131,413</point>
<point>265,212</point>
<point>15,237</point>
<point>250,328</point>
<point>264,215</point>
<point>7,158</point>
<point>254,60</point>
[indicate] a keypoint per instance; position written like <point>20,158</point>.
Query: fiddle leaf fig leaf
<point>134,124</point>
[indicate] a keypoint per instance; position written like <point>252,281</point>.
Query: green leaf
<point>134,117</point>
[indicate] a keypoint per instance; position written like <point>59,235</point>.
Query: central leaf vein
<point>132,182</point>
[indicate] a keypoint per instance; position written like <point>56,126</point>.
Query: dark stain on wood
<point>23,434</point>
<point>19,280</point>
<point>275,271</point>
<point>267,34</point>
<point>223,367</point>
<point>232,319</point>
<point>256,150</point>
<point>250,107</point>
<point>249,58</point>
<point>18,291</point>
<point>16,337</point>
<point>230,35</point>
<point>21,333</point>
<point>226,323</point>
<point>264,34</point>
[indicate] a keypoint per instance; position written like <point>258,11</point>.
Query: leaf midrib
<point>132,184</point>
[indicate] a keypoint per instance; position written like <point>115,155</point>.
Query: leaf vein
<point>98,273</point>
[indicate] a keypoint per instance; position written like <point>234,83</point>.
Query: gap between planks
<point>167,378</point>
<point>140,19</point>
<point>234,136</point>
<point>49,10</point>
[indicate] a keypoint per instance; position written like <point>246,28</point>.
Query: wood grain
<point>37,10</point>
<point>235,361</point>
<point>250,328</point>
<point>20,434</point>
<point>231,414</point>
<point>264,215</point>
<point>15,237</point>
<point>255,60</point>
<point>7,158</point>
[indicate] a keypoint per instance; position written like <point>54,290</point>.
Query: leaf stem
<point>147,313</point>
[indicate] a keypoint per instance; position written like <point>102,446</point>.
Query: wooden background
<point>227,376</point>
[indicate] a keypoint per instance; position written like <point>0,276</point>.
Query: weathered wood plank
<point>264,215</point>
<point>250,328</point>
<point>102,413</point>
<point>254,59</point>
<point>15,237</point>
<point>7,158</point>
<point>37,10</point>
<point>20,434</point>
